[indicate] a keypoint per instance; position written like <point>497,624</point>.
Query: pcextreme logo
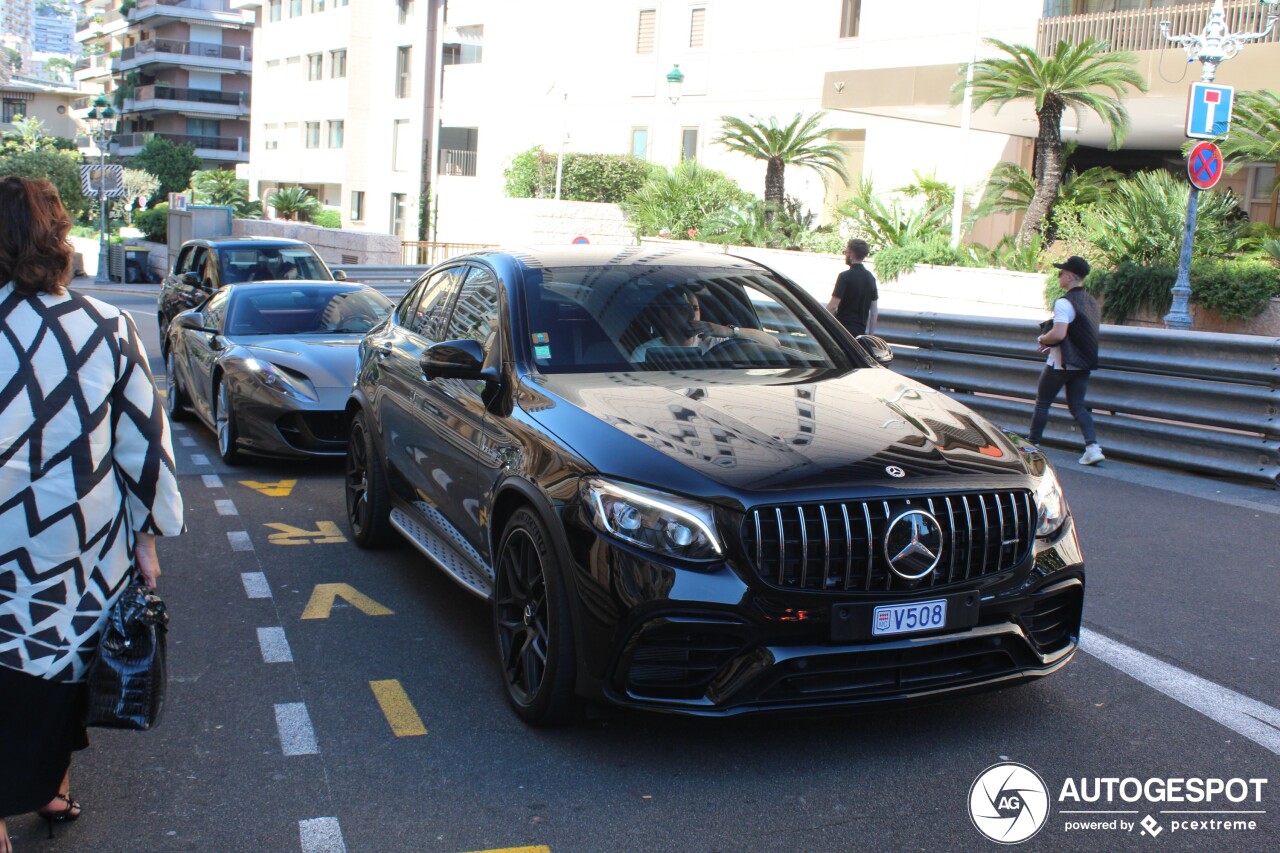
<point>1009,803</point>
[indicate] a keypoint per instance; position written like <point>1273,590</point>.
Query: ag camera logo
<point>1009,802</point>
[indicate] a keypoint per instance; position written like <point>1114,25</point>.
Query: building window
<point>404,78</point>
<point>640,142</point>
<point>401,149</point>
<point>338,63</point>
<point>697,27</point>
<point>317,6</point>
<point>645,31</point>
<point>357,206</point>
<point>458,149</point>
<point>337,3</point>
<point>274,9</point>
<point>850,11</point>
<point>202,128</point>
<point>13,108</point>
<point>295,8</point>
<point>468,50</point>
<point>269,131</point>
<point>689,143</point>
<point>336,130</point>
<point>398,201</point>
<point>405,8</point>
<point>312,130</point>
<point>315,66</point>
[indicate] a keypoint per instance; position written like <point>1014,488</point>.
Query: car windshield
<point>270,263</point>
<point>654,317</point>
<point>305,311</point>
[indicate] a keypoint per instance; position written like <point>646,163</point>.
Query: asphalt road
<point>388,731</point>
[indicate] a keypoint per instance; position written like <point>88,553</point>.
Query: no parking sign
<point>1204,165</point>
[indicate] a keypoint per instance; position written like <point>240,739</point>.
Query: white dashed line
<point>187,441</point>
<point>297,737</point>
<point>255,585</point>
<point>239,540</point>
<point>199,459</point>
<point>211,481</point>
<point>321,835</point>
<point>275,646</point>
<point>1248,717</point>
<point>226,507</point>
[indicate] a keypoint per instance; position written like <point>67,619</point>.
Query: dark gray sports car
<point>269,366</point>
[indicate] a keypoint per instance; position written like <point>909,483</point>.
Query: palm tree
<point>293,203</point>
<point>1255,138</point>
<point>27,132</point>
<point>1085,76</point>
<point>799,143</point>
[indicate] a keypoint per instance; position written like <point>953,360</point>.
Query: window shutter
<point>697,28</point>
<point>645,33</point>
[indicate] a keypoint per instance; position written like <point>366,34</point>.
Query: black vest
<point>1080,347</point>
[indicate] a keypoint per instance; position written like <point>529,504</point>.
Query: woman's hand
<point>144,557</point>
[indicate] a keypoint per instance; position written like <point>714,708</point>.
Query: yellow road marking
<point>397,708</point>
<point>324,595</point>
<point>280,489</point>
<point>326,532</point>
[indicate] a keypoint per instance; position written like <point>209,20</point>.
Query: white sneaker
<point>1092,455</point>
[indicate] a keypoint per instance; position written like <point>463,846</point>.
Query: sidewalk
<point>86,284</point>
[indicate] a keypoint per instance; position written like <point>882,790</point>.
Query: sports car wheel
<point>228,434</point>
<point>368,504</point>
<point>531,623</point>
<point>175,401</point>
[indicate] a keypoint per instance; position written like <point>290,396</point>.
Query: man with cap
<point>1072,347</point>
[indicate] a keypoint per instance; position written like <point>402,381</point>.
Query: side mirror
<point>462,359</point>
<point>189,279</point>
<point>876,348</point>
<point>339,275</point>
<point>194,321</point>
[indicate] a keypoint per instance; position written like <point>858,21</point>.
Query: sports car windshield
<point>651,317</point>
<point>302,310</point>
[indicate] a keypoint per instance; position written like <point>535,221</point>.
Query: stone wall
<point>334,245</point>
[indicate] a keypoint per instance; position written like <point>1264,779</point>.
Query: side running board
<point>458,559</point>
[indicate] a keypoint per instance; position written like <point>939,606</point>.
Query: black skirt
<point>41,724</point>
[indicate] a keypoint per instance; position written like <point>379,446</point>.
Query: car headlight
<point>1051,506</point>
<point>653,520</point>
<point>278,379</point>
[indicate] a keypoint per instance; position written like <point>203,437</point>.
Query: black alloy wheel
<point>531,624</point>
<point>175,401</point>
<point>228,432</point>
<point>368,503</point>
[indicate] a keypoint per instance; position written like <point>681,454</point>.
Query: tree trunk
<point>774,191</point>
<point>1049,155</point>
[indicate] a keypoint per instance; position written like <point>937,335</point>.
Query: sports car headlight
<point>1050,504</point>
<point>278,379</point>
<point>653,520</point>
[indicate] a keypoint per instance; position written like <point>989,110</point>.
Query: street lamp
<point>102,126</point>
<point>675,82</point>
<point>1213,46</point>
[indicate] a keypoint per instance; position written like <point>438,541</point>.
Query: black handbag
<point>127,677</point>
<point>1046,326</point>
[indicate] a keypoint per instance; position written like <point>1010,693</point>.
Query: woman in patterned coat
<point>87,482</point>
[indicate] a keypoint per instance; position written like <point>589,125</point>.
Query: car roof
<point>317,284</point>
<point>534,257</point>
<point>230,242</point>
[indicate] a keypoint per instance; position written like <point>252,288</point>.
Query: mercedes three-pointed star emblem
<point>913,544</point>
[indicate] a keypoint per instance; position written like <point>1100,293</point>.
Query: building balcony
<point>454,162</point>
<point>160,12</point>
<point>225,149</point>
<point>194,102</point>
<point>100,24</point>
<point>157,53</point>
<point>1139,29</point>
<point>93,67</point>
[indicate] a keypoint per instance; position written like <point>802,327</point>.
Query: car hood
<point>329,361</point>
<point>826,432</point>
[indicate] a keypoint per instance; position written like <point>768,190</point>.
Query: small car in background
<point>268,367</point>
<point>204,266</point>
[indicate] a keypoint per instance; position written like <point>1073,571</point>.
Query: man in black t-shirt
<point>854,301</point>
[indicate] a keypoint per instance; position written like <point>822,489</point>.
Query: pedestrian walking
<point>1072,348</point>
<point>855,301</point>
<point>87,481</point>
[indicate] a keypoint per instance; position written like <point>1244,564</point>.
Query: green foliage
<point>62,168</point>
<point>294,203</point>
<point>1237,288</point>
<point>605,178</point>
<point>222,188</point>
<point>935,249</point>
<point>173,164</point>
<point>137,185</point>
<point>326,218</point>
<point>154,223</point>
<point>1272,248</point>
<point>750,225</point>
<point>11,57</point>
<point>1255,137</point>
<point>883,224</point>
<point>59,67</point>
<point>801,142</point>
<point>688,196</point>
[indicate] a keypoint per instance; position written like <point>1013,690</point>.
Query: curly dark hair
<point>34,251</point>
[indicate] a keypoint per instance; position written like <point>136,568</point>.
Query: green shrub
<point>153,223</point>
<point>1127,290</point>
<point>1237,288</point>
<point>585,177</point>
<point>936,250</point>
<point>61,168</point>
<point>688,196</point>
<point>327,218</point>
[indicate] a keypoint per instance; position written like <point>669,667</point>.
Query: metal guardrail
<point>1200,401</point>
<point>432,253</point>
<point>373,274</point>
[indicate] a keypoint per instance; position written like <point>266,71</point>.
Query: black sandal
<point>65,815</point>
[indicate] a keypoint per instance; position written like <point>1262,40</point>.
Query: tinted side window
<point>184,261</point>
<point>404,311</point>
<point>429,318</point>
<point>475,314</point>
<point>216,309</point>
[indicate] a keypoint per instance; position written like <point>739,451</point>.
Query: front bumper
<point>274,424</point>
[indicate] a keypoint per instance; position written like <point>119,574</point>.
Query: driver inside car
<point>674,319</point>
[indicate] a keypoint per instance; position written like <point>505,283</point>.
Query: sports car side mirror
<point>461,359</point>
<point>339,275</point>
<point>876,348</point>
<point>194,321</point>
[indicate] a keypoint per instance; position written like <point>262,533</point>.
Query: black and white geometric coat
<point>86,461</point>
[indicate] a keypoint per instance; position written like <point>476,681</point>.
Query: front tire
<point>175,401</point>
<point>228,432</point>
<point>368,501</point>
<point>532,626</point>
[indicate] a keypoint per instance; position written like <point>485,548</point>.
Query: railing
<point>207,143</point>
<point>98,20</point>
<point>430,254</point>
<point>202,5</point>
<point>186,48</point>
<point>375,274</point>
<point>457,162</point>
<point>100,61</point>
<point>1197,400</point>
<point>159,92</point>
<point>1139,29</point>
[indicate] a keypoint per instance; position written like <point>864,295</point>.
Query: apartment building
<point>54,32</point>
<point>17,32</point>
<point>173,68</point>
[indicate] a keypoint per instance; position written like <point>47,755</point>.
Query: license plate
<point>909,618</point>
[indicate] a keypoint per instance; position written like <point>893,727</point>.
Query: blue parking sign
<point>1209,110</point>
